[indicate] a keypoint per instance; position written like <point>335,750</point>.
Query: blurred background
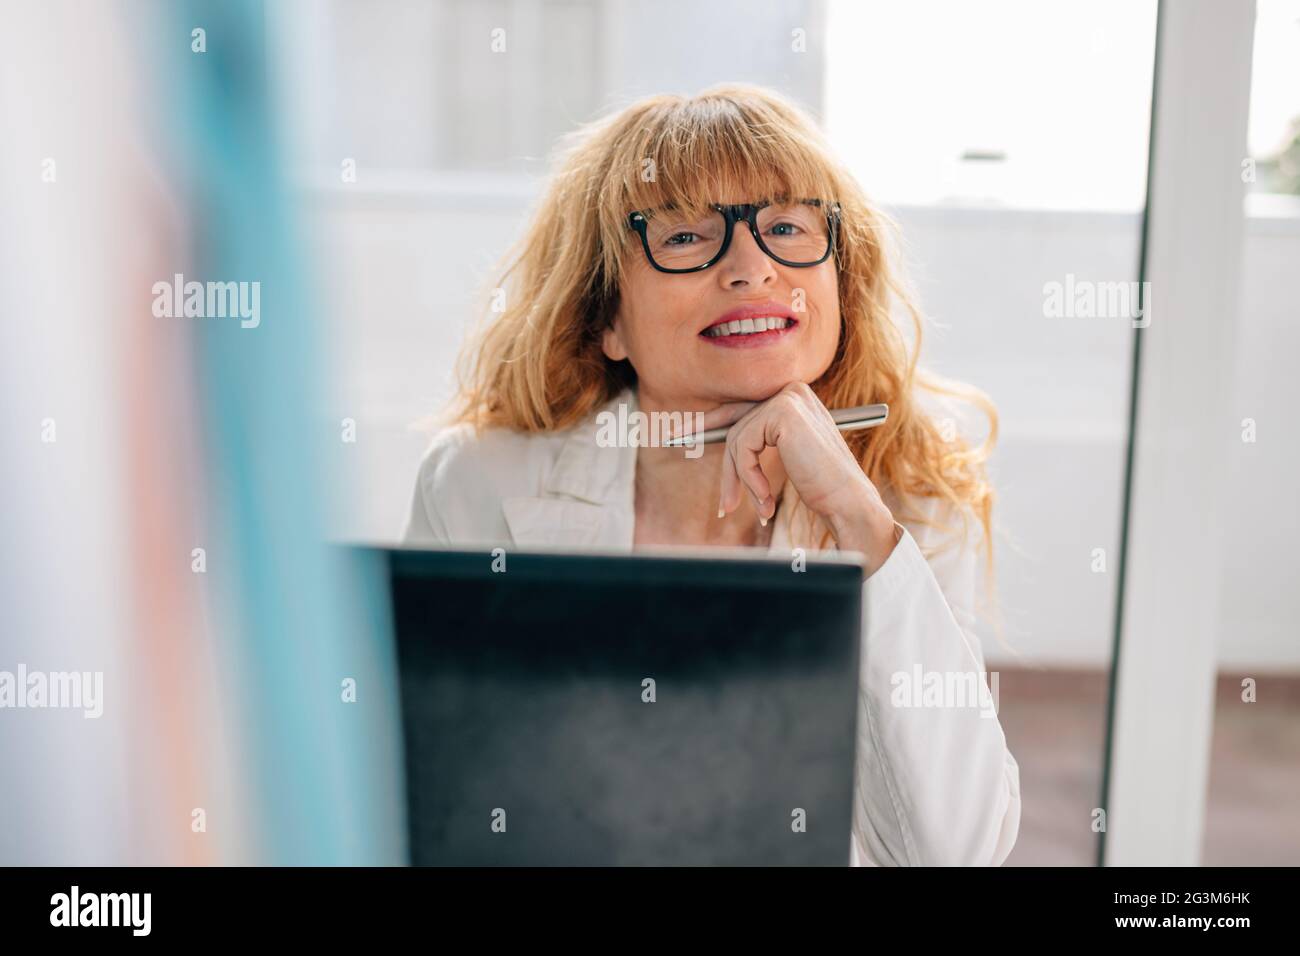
<point>368,163</point>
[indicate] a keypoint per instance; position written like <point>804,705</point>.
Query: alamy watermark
<point>945,690</point>
<point>1084,299</point>
<point>128,910</point>
<point>638,429</point>
<point>60,690</point>
<point>208,300</point>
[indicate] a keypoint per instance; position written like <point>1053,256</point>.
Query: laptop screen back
<point>584,710</point>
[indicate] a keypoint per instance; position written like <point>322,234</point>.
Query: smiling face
<point>671,327</point>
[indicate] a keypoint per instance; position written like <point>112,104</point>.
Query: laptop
<point>571,709</point>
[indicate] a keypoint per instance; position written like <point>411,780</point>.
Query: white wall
<point>404,259</point>
<point>1261,602</point>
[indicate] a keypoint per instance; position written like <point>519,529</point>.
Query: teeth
<point>748,326</point>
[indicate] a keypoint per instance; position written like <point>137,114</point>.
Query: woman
<point>708,255</point>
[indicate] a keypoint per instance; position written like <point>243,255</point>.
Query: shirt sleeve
<point>424,523</point>
<point>934,783</point>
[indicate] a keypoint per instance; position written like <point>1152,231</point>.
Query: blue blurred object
<point>303,617</point>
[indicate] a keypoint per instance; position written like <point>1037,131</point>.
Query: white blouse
<point>933,784</point>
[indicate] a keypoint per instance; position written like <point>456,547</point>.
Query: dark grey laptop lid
<point>630,709</point>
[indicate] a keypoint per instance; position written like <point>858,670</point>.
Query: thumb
<point>726,414</point>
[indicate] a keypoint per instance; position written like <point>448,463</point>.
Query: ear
<point>611,343</point>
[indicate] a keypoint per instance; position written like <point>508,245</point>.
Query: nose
<point>745,264</point>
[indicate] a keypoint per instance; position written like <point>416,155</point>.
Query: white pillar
<point>1184,430</point>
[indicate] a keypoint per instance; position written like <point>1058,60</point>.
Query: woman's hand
<point>817,461</point>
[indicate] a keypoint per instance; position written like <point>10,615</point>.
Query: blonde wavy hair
<point>538,365</point>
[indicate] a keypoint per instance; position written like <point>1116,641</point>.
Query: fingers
<point>741,470</point>
<point>734,486</point>
<point>755,426</point>
<point>760,428</point>
<point>729,496</point>
<point>744,452</point>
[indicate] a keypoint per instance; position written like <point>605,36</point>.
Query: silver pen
<point>846,420</point>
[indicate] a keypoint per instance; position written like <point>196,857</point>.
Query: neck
<point>677,497</point>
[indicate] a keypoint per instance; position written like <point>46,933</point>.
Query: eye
<point>794,229</point>
<point>673,240</point>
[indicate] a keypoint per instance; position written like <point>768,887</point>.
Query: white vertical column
<point>1184,428</point>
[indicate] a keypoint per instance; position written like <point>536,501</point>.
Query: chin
<point>758,386</point>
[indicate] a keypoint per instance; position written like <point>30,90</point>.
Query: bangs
<point>691,153</point>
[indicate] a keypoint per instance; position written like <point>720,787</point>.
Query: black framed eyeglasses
<point>798,233</point>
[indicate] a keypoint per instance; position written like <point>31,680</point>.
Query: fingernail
<point>721,513</point>
<point>762,522</point>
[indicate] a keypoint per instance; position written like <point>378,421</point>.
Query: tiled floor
<point>1055,725</point>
